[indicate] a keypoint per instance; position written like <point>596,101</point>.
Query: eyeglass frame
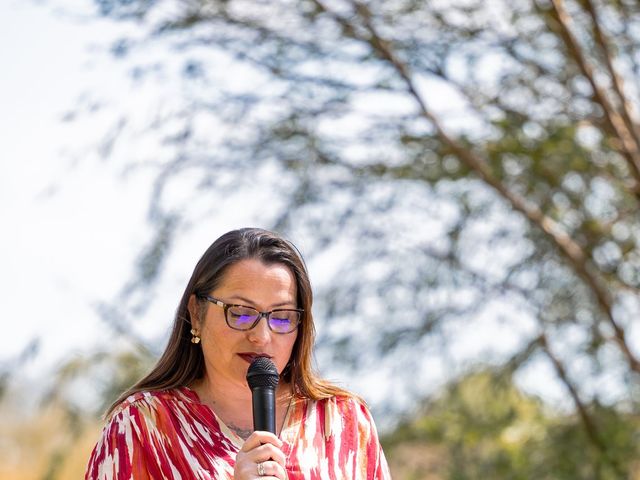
<point>266,315</point>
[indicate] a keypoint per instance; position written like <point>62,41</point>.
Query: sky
<point>69,226</point>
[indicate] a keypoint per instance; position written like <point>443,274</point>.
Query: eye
<point>284,321</point>
<point>242,315</point>
<point>281,320</point>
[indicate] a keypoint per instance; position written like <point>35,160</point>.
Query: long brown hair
<point>183,362</point>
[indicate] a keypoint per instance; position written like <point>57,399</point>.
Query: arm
<point>353,434</point>
<point>131,447</point>
<point>375,461</point>
<point>114,455</point>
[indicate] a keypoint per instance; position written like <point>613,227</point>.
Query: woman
<point>191,417</point>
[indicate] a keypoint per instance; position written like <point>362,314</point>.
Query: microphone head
<point>262,373</point>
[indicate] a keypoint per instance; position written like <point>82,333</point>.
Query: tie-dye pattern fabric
<point>171,435</point>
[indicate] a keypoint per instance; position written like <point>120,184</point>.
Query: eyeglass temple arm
<point>213,300</point>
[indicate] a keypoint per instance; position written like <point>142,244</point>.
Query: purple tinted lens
<point>280,324</point>
<point>241,317</point>
<point>244,320</point>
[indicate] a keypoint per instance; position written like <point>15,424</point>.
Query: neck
<point>222,393</point>
<point>231,402</point>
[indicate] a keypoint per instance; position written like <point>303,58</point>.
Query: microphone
<point>262,378</point>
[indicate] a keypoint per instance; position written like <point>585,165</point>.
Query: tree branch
<point>589,425</point>
<point>630,147</point>
<point>618,82</point>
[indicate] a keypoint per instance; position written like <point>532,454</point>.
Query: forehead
<point>254,275</point>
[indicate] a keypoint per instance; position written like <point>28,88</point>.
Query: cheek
<point>287,348</point>
<point>293,341</point>
<point>215,339</point>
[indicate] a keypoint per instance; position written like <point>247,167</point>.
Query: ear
<point>194,312</point>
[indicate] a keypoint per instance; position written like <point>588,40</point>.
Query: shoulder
<point>141,416</point>
<point>147,405</point>
<point>349,429</point>
<point>150,399</point>
<point>342,414</point>
<point>342,404</point>
<point>137,434</point>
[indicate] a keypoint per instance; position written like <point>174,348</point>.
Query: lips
<point>249,357</point>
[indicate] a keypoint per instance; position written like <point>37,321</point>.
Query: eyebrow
<point>240,298</point>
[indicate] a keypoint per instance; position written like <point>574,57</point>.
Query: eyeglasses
<point>241,317</point>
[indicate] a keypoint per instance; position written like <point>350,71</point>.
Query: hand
<point>260,448</point>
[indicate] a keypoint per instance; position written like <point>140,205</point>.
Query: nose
<point>260,334</point>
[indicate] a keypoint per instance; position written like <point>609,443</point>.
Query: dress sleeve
<point>126,449</point>
<point>372,457</point>
<point>356,445</point>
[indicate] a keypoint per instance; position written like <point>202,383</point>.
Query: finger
<point>268,452</point>
<point>272,469</point>
<point>258,438</point>
<point>263,453</point>
<point>246,468</point>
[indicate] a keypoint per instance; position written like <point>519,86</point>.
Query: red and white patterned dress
<point>171,435</point>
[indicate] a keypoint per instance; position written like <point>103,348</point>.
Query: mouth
<point>249,357</point>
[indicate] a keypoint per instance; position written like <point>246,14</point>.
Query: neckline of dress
<point>237,439</point>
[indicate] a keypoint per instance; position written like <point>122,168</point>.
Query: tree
<point>448,163</point>
<point>483,426</point>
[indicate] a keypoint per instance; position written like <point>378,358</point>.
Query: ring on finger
<point>261,469</point>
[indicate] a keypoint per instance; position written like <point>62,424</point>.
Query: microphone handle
<point>264,409</point>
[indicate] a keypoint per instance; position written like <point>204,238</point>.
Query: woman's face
<point>228,352</point>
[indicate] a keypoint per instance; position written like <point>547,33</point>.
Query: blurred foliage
<point>466,174</point>
<point>51,436</point>
<point>484,426</point>
<point>9,366</point>
<point>49,442</point>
